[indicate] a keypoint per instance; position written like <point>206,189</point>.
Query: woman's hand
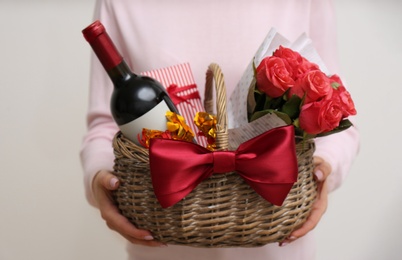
<point>103,184</point>
<point>321,171</point>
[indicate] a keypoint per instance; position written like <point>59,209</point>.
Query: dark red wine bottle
<point>137,102</point>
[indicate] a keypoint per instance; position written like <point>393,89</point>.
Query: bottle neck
<point>102,45</point>
<point>120,73</point>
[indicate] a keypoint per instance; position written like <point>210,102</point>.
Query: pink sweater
<point>153,34</point>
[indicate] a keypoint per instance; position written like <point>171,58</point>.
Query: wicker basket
<point>223,211</point>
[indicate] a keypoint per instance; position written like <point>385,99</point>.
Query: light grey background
<point>44,66</point>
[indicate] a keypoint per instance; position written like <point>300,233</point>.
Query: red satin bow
<point>174,91</point>
<point>268,163</point>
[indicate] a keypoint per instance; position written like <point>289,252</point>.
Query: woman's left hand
<point>322,169</point>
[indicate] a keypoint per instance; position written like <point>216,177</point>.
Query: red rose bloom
<point>296,90</point>
<point>335,80</point>
<point>323,103</point>
<point>274,76</point>
<point>346,102</point>
<point>316,85</point>
<point>304,67</point>
<point>319,117</point>
<point>293,58</point>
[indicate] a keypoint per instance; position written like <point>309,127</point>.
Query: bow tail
<point>274,193</point>
<point>177,167</point>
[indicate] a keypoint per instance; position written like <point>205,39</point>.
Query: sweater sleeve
<point>97,153</point>
<point>96,150</point>
<point>339,149</point>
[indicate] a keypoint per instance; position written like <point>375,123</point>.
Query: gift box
<point>180,85</point>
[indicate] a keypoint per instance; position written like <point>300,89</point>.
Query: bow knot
<point>224,161</point>
<point>267,163</point>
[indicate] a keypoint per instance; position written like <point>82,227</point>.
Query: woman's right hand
<point>103,185</point>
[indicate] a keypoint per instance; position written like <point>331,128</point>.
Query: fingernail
<point>149,238</point>
<point>163,245</point>
<point>319,175</point>
<point>284,244</point>
<point>113,182</point>
<point>292,238</point>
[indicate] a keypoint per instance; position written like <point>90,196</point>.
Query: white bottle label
<point>154,119</point>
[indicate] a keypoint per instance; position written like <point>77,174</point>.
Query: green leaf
<point>335,85</point>
<point>259,114</point>
<point>273,103</point>
<point>254,68</point>
<point>343,125</point>
<point>296,123</point>
<point>299,132</point>
<point>292,107</point>
<point>259,99</point>
<point>285,117</point>
<point>307,136</point>
<point>268,103</point>
<point>281,115</point>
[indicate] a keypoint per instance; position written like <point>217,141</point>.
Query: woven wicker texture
<point>223,211</point>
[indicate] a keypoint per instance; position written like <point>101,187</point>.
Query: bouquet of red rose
<point>298,92</point>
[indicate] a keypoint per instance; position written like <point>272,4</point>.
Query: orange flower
<point>148,134</point>
<point>178,128</point>
<point>206,123</point>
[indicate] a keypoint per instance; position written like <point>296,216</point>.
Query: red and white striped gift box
<point>180,84</point>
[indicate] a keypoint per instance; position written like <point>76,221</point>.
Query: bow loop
<point>268,163</point>
<point>183,94</point>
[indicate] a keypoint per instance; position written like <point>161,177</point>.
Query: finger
<point>318,209</point>
<point>122,225</point>
<point>151,243</point>
<point>322,169</point>
<point>309,225</point>
<point>111,214</point>
<point>136,236</point>
<point>108,180</point>
<point>317,160</point>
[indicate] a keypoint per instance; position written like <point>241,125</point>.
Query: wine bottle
<point>137,102</point>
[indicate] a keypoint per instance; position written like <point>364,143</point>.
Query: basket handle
<point>214,72</point>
